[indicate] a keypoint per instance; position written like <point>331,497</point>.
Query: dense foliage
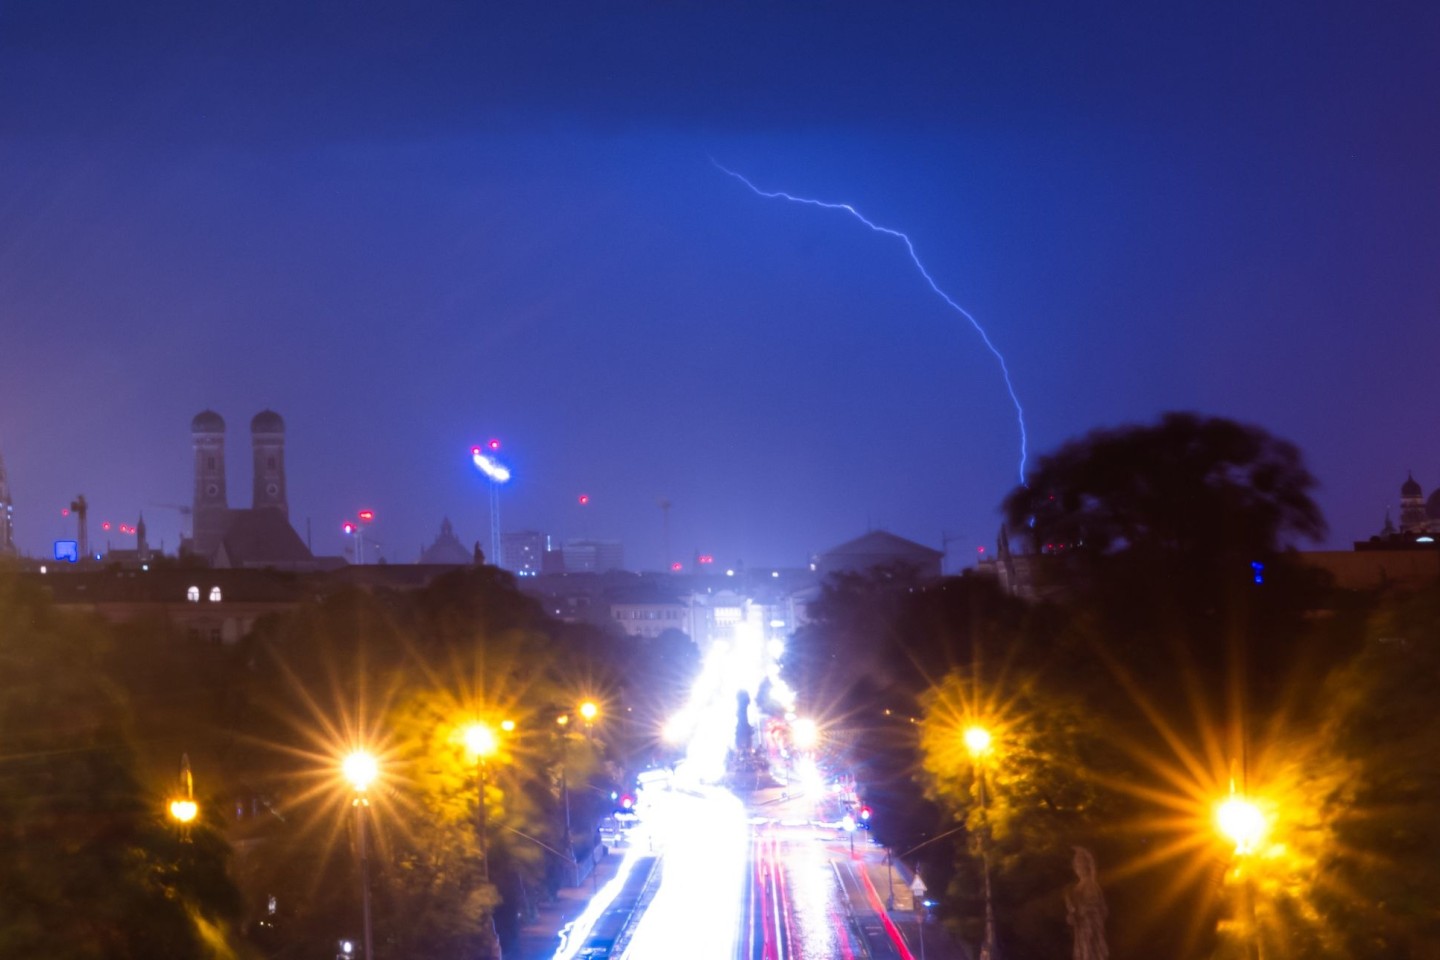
<point>90,866</point>
<point>1148,672</point>
<point>95,719</point>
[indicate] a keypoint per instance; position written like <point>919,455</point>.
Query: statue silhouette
<point>1085,910</point>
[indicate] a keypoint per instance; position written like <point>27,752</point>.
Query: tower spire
<point>7,515</point>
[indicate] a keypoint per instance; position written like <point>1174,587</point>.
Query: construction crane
<point>186,513</point>
<point>80,508</point>
<point>945,541</point>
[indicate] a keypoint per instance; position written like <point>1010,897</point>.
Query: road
<point>763,881</point>
<point>809,894</point>
<point>767,876</point>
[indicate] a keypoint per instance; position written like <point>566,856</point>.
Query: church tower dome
<point>207,421</point>
<point>1412,507</point>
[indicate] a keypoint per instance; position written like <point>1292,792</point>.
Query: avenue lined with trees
<point>1179,655</point>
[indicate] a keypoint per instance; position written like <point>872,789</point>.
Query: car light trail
<point>696,912</point>
<point>578,930</point>
<point>915,257</point>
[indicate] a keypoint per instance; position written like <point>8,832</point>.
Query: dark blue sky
<point>411,228</point>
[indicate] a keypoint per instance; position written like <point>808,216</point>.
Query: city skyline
<point>411,230</point>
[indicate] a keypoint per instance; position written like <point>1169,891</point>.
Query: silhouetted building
<point>260,536</point>
<point>645,611</point>
<point>1417,514</point>
<point>137,557</point>
<point>211,508</point>
<point>267,442</point>
<point>594,556</point>
<point>878,550</point>
<point>522,552</point>
<point>447,548</point>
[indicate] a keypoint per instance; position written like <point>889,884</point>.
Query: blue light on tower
<point>488,462</point>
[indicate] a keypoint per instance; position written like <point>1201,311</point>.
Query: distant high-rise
<point>522,552</point>
<point>7,515</point>
<point>594,556</point>
<point>267,439</point>
<point>211,507</point>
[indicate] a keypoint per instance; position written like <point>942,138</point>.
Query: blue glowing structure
<point>488,463</point>
<point>910,248</point>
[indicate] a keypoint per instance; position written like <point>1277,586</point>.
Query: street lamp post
<point>977,741</point>
<point>562,723</point>
<point>588,712</point>
<point>361,769</point>
<point>183,808</point>
<point>1243,823</point>
<point>480,742</point>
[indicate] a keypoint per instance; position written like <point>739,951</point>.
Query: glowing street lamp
<point>183,809</point>
<point>361,769</point>
<point>1241,821</point>
<point>481,743</point>
<point>978,742</point>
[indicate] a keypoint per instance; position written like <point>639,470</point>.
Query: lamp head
<point>361,769</point>
<point>184,810</point>
<point>480,741</point>
<point>977,740</point>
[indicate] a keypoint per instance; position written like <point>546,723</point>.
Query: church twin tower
<point>212,514</point>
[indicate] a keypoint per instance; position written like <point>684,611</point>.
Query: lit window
<point>193,595</point>
<point>214,595</point>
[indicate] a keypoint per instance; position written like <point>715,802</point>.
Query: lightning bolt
<point>915,257</point>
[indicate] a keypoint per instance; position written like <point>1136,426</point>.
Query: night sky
<point>410,229</point>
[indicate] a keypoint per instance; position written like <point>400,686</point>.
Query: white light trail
<point>696,913</point>
<point>576,932</point>
<point>910,248</point>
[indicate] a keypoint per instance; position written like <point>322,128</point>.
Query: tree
<point>1377,885</point>
<point>1201,489</point>
<point>91,869</point>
